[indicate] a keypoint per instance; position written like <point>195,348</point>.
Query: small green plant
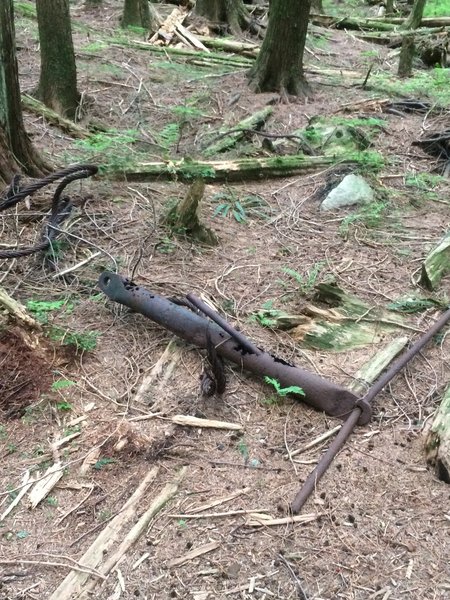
<point>104,515</point>
<point>281,391</point>
<point>307,281</point>
<point>166,246</point>
<point>41,308</point>
<point>52,501</point>
<point>71,430</point>
<point>271,400</point>
<point>370,216</point>
<point>62,384</point>
<point>64,406</point>
<point>413,305</point>
<point>102,462</point>
<point>243,449</point>
<point>182,523</point>
<point>229,204</point>
<point>21,535</point>
<point>3,432</point>
<point>83,342</point>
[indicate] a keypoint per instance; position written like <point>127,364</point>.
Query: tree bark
<point>415,18</point>
<point>58,77</point>
<point>405,62</point>
<point>279,66</point>
<point>16,150</point>
<point>228,14</point>
<point>136,13</point>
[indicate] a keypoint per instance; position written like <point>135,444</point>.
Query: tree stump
<point>406,56</point>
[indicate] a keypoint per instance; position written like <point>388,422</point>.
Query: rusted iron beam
<point>344,433</point>
<point>319,393</point>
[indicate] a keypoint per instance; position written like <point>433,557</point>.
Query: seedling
<point>281,391</point>
<point>240,209</point>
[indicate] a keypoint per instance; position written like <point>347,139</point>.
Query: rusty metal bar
<point>344,433</point>
<point>318,392</point>
<point>209,312</point>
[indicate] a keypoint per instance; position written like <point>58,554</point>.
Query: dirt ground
<point>380,518</point>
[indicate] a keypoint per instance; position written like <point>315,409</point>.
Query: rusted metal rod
<point>209,312</point>
<point>318,392</point>
<point>344,433</point>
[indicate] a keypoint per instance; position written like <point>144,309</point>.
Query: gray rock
<point>353,189</point>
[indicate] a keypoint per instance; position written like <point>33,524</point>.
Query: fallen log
<point>437,443</point>
<point>437,264</point>
<point>225,139</point>
<point>237,170</point>
<point>318,392</point>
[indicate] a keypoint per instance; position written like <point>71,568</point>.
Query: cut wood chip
<point>196,422</point>
<point>72,584</point>
<point>160,373</point>
<point>26,483</point>
<point>176,562</point>
<point>219,501</point>
<point>258,519</point>
<point>44,486</point>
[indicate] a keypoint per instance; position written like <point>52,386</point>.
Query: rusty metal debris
<point>347,428</point>
<point>319,393</point>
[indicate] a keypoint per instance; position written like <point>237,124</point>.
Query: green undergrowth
<point>433,85</point>
<point>437,8</point>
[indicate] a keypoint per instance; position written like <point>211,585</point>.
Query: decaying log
<point>436,264</point>
<point>224,139</point>
<point>348,323</point>
<point>437,443</point>
<point>318,392</point>
<point>66,125</point>
<point>237,170</point>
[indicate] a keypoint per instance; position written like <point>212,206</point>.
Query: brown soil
<point>25,375</point>
<point>381,525</point>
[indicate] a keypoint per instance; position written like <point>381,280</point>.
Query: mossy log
<point>352,23</point>
<point>375,23</point>
<point>226,139</point>
<point>39,108</point>
<point>228,45</point>
<point>197,55</point>
<point>436,264</point>
<point>237,170</point>
<point>348,323</point>
<point>437,442</point>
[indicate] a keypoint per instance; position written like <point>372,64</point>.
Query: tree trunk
<point>226,14</point>
<point>415,18</point>
<point>136,13</point>
<point>16,150</point>
<point>405,62</point>
<point>279,66</point>
<point>58,78</point>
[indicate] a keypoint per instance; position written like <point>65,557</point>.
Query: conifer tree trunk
<point>136,13</point>
<point>58,77</point>
<point>16,150</point>
<point>230,14</point>
<point>415,18</point>
<point>279,65</point>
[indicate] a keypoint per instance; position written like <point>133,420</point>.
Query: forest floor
<point>380,518</point>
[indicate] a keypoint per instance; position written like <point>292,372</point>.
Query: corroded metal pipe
<point>318,392</point>
<point>344,433</point>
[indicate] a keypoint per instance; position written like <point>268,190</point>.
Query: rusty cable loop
<point>344,433</point>
<point>60,209</point>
